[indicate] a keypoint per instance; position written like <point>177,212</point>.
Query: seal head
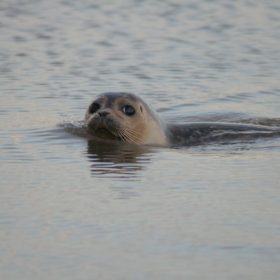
<point>124,117</point>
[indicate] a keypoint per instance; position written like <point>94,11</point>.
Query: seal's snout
<point>103,113</point>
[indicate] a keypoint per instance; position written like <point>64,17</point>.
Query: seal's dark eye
<point>93,108</point>
<point>128,110</point>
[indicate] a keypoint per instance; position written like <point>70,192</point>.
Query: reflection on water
<point>117,160</point>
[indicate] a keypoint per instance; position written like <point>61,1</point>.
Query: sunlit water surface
<point>74,209</point>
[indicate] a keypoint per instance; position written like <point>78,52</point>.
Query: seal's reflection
<point>117,159</point>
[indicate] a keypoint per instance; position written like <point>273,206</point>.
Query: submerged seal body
<point>118,116</point>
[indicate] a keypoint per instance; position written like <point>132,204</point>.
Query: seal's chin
<point>104,133</point>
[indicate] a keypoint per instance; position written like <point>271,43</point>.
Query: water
<point>70,209</point>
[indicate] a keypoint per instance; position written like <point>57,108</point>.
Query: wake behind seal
<point>125,117</point>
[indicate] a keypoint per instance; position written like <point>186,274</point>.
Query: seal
<point>119,116</point>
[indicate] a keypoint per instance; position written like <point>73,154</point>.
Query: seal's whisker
<point>129,136</point>
<point>133,133</point>
<point>134,137</point>
<point>122,136</point>
<point>125,137</point>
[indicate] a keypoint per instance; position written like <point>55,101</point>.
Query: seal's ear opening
<point>141,109</point>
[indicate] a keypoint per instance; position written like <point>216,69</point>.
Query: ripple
<point>77,128</point>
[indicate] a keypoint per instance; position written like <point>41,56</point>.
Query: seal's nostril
<point>103,113</point>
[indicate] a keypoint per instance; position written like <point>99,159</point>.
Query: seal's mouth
<point>104,133</point>
<point>104,128</point>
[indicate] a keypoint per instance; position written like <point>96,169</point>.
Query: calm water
<point>71,209</point>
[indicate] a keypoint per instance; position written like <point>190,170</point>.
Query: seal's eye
<point>128,110</point>
<point>93,108</point>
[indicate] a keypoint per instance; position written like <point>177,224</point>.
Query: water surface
<point>71,209</point>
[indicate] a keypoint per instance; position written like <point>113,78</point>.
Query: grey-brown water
<point>74,209</point>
